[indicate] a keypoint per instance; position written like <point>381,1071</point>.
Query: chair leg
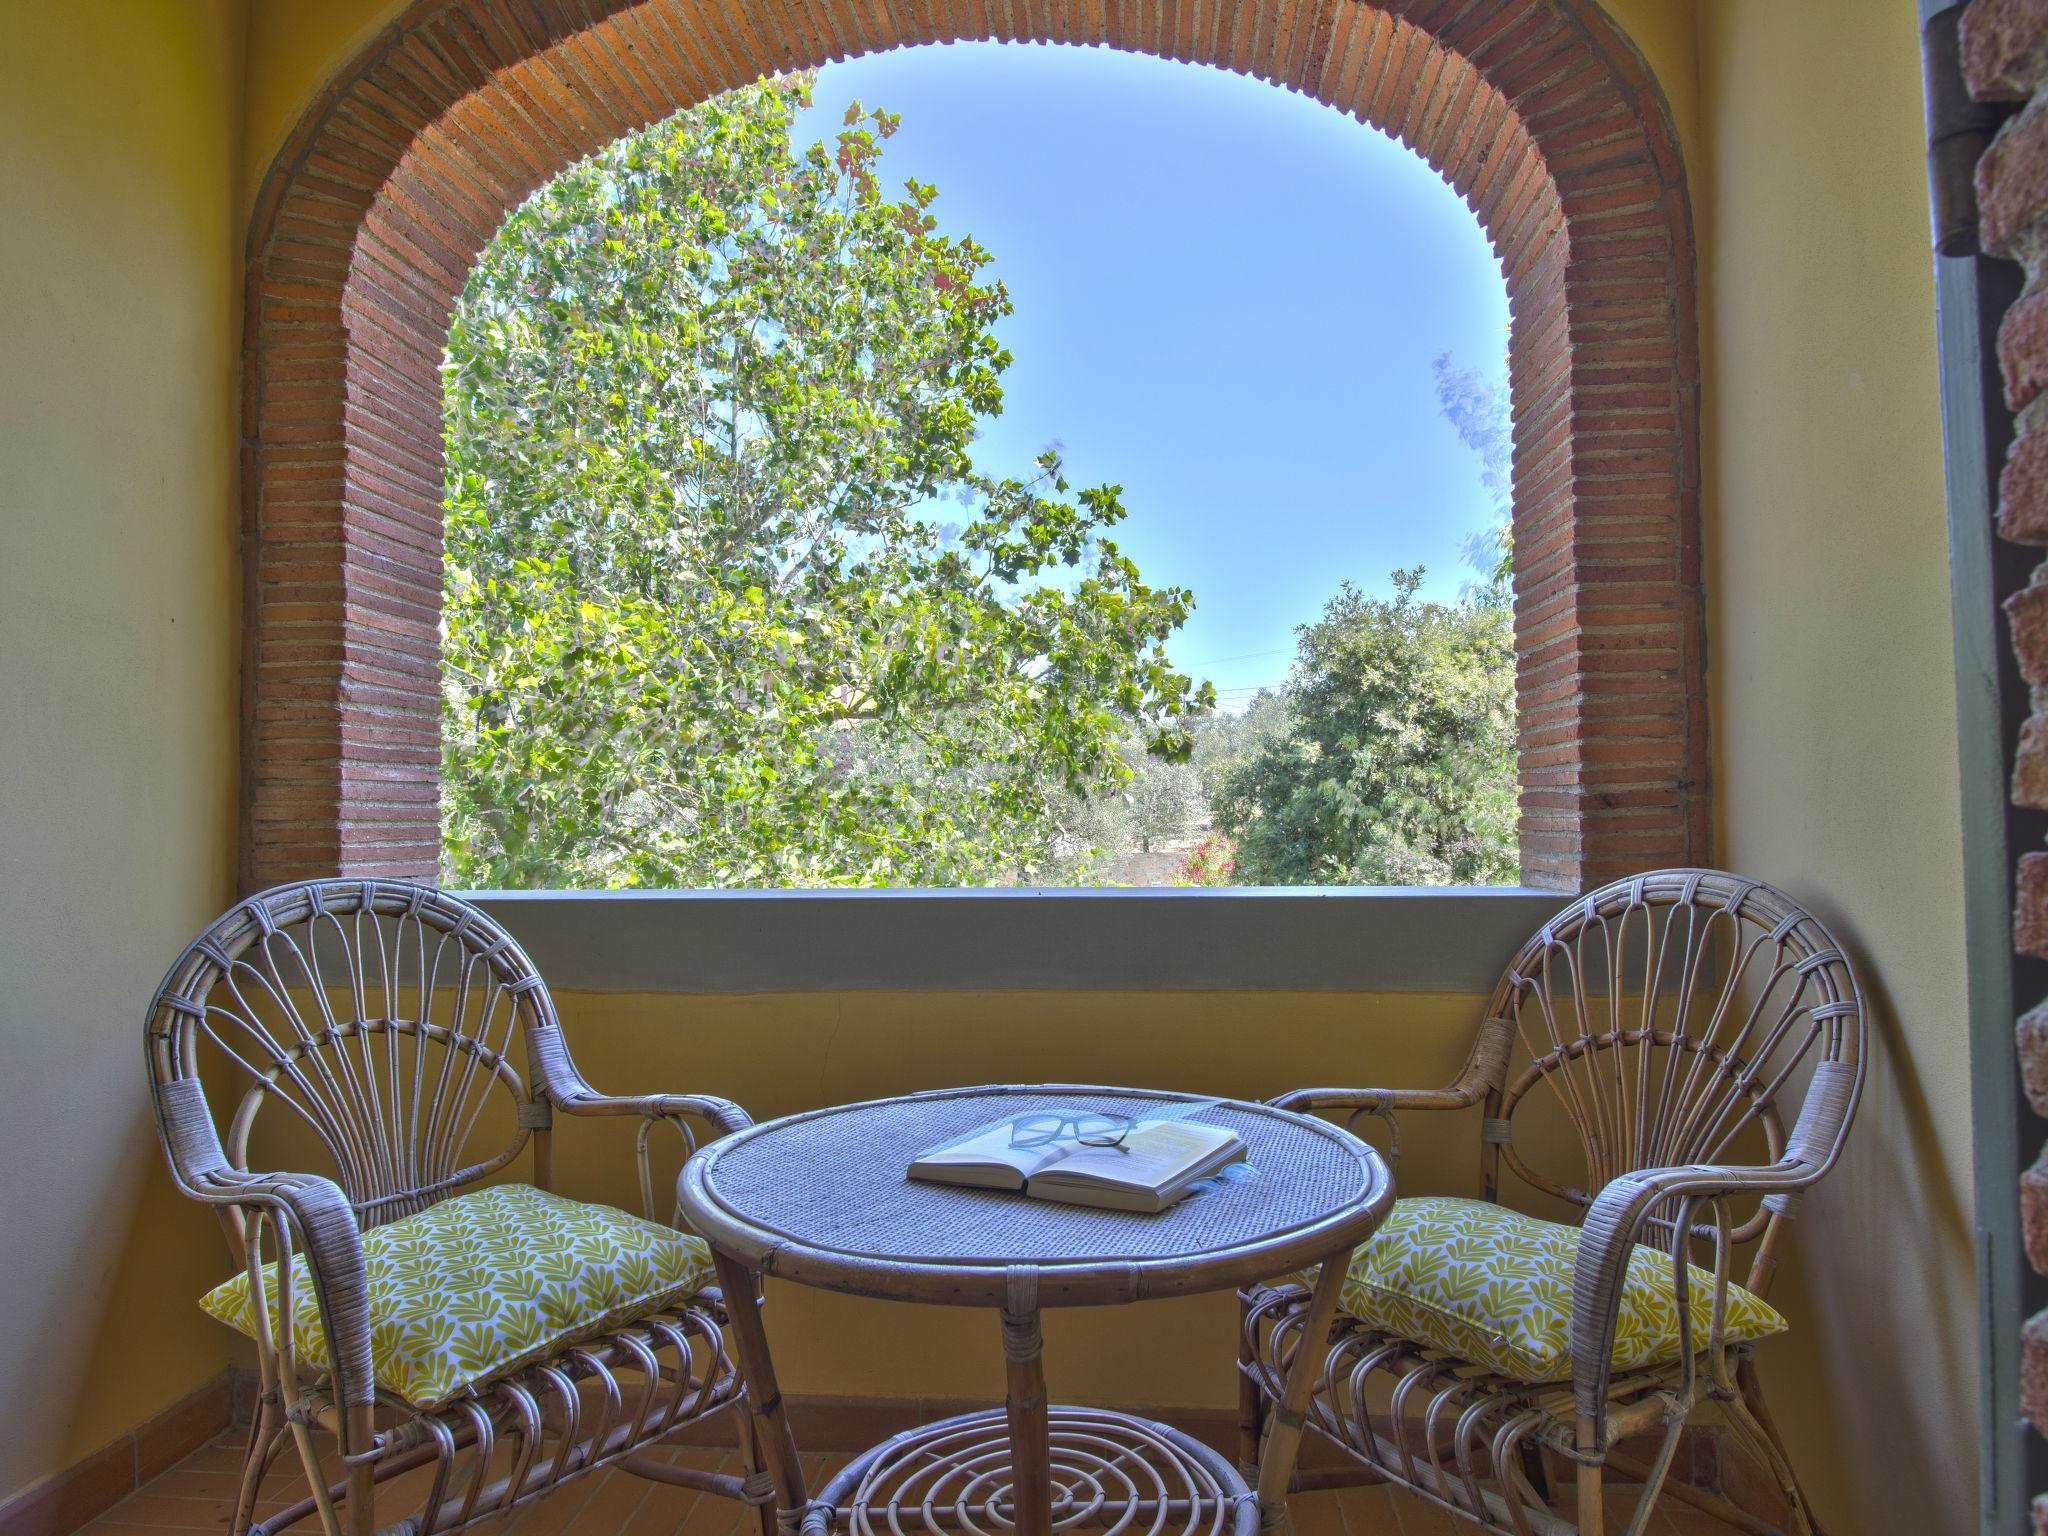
<point>360,1510</point>
<point>316,1480</point>
<point>1592,1506</point>
<point>1753,1424</point>
<point>359,1507</point>
<point>1535,1471</point>
<point>263,1430</point>
<point>1251,1398</point>
<point>1655,1475</point>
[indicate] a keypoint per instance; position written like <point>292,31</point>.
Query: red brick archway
<point>1538,111</point>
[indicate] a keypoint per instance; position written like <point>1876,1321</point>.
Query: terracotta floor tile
<point>1367,1512</point>
<point>187,1481</point>
<point>711,1516</point>
<point>612,1506</point>
<point>216,1456</point>
<point>198,1495</point>
<point>661,1511</point>
<point>568,1509</point>
<point>1683,1520</point>
<point>1316,1514</point>
<point>1416,1516</point>
<point>170,1512</point>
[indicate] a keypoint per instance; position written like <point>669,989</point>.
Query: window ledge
<point>1296,939</point>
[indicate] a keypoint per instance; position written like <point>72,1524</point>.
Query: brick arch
<point>1539,112</point>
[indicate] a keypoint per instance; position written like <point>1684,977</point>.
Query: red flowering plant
<point>1212,861</point>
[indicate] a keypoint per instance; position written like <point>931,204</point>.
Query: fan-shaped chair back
<point>1679,1017</point>
<point>378,1014</point>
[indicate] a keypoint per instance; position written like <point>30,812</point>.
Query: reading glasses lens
<point>1087,1130</point>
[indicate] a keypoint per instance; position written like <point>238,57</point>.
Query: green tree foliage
<point>1165,801</point>
<point>702,626</point>
<point>1396,765</point>
<point>1224,742</point>
<point>1159,800</point>
<point>1388,757</point>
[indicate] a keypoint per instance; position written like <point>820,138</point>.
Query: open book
<point>1155,1164</point>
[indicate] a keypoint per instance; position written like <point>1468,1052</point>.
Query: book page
<point>1153,1156</point>
<point>992,1147</point>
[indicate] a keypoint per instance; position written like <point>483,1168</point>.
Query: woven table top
<point>823,1198</point>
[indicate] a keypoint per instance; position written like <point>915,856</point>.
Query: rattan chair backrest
<point>380,1014</point>
<point>1682,1016</point>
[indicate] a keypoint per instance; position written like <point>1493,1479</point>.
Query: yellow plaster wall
<point>294,48</point>
<point>119,332</point>
<point>1666,33</point>
<point>1831,671</point>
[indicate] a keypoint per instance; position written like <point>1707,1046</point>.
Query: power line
<point>1217,661</point>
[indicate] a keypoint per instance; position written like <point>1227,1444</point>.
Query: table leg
<point>1024,1400</point>
<point>741,1288</point>
<point>1283,1429</point>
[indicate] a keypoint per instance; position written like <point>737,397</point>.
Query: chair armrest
<point>1385,1103</point>
<point>332,1242</point>
<point>1482,1073</point>
<point>1373,1101</point>
<point>315,1207</point>
<point>652,1109</point>
<point>723,1113</point>
<point>559,1084</point>
<point>557,1080</point>
<point>1608,1237</point>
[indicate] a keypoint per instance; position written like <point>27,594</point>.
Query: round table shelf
<point>1108,1471</point>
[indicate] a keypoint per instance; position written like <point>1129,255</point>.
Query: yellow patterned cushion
<point>485,1282</point>
<point>1494,1287</point>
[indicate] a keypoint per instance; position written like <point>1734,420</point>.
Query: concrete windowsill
<point>1380,939</point>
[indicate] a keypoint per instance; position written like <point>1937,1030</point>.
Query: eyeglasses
<point>1088,1130</point>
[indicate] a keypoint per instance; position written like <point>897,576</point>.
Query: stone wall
<point>2005,59</point>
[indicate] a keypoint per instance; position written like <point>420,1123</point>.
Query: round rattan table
<point>822,1199</point>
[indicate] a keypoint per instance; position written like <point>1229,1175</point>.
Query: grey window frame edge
<point>1453,939</point>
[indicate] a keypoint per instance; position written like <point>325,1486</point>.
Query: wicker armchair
<point>380,1017</point>
<point>1667,1026</point>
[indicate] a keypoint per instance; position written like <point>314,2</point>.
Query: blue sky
<point>1228,299</point>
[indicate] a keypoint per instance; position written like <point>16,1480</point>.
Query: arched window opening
<point>975,465</point>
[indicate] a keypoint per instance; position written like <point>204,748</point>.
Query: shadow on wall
<point>150,1345</point>
<point>1872,1242</point>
